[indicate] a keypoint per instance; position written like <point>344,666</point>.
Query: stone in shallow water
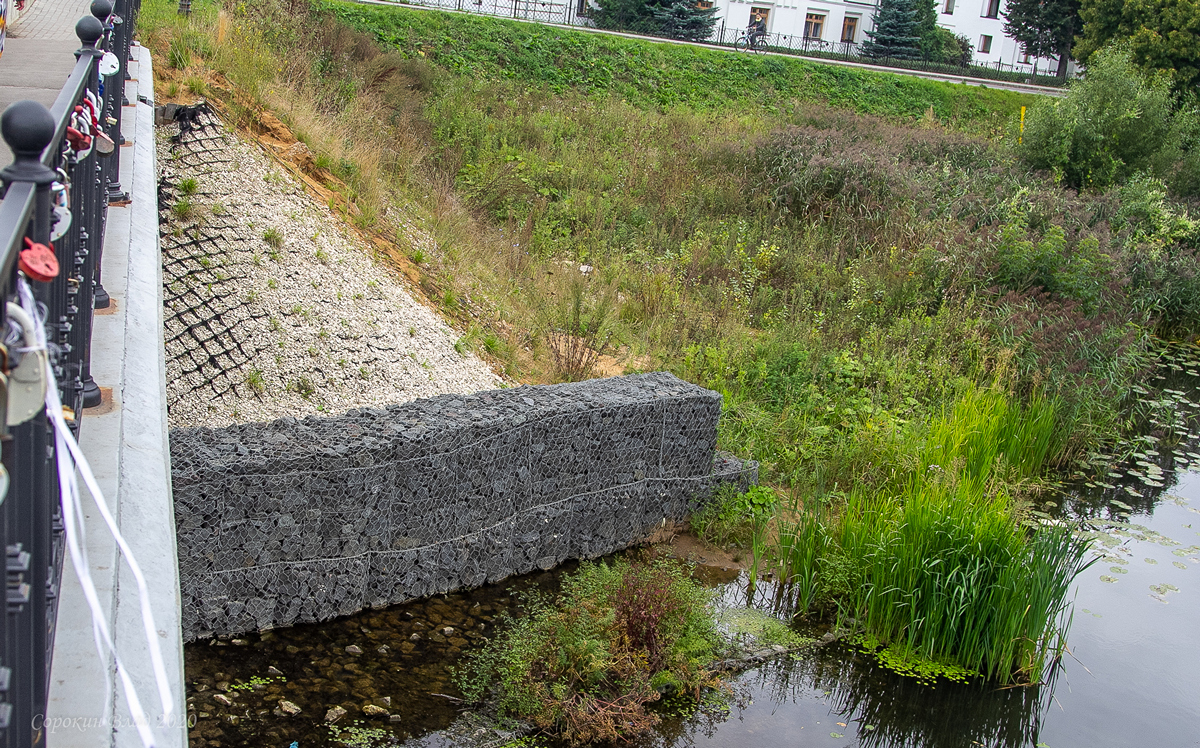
<point>334,714</point>
<point>288,707</point>
<point>354,650</point>
<point>374,711</point>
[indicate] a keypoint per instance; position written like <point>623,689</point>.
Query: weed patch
<point>586,664</point>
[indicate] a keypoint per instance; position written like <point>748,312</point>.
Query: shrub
<point>1113,123</point>
<point>579,332</point>
<point>586,664</point>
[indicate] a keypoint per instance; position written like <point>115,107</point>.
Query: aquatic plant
<point>940,568</point>
<point>585,664</point>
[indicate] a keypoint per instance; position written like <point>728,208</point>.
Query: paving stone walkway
<point>39,54</point>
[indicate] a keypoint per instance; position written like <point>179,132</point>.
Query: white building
<point>841,25</point>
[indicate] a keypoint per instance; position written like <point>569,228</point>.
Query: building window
<point>993,9</point>
<point>1025,56</point>
<point>814,23</point>
<point>949,8</point>
<point>704,4</point>
<point>849,29</point>
<point>764,12</point>
<point>985,44</point>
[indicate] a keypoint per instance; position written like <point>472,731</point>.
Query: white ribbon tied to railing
<point>70,459</point>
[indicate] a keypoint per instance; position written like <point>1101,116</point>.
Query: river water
<point>1132,677</point>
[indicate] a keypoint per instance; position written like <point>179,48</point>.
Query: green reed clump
<point>585,664</point>
<point>940,568</point>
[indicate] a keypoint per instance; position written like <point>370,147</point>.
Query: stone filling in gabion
<point>303,520</point>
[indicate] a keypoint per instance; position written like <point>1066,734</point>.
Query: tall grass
<point>941,568</point>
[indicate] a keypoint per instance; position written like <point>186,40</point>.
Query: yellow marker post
<point>1021,135</point>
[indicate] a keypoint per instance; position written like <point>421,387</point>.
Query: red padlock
<point>38,261</point>
<point>78,141</point>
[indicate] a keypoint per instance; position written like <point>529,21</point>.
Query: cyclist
<point>757,30</point>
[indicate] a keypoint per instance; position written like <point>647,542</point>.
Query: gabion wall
<point>303,520</point>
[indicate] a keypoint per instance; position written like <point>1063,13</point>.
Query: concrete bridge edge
<point>125,441</point>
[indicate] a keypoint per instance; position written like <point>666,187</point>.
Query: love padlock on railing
<point>38,261</point>
<point>26,382</point>
<point>60,199</point>
<point>104,144</point>
<point>79,133</point>
<point>80,143</point>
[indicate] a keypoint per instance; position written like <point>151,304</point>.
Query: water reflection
<point>844,693</point>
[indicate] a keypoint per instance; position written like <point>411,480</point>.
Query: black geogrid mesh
<point>296,521</point>
<point>209,338</point>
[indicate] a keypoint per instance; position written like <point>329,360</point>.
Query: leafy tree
<point>1045,28</point>
<point>895,33</point>
<point>1114,123</point>
<point>1161,35</point>
<point>946,47</point>
<point>678,19</point>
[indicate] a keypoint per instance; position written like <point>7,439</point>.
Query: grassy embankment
<point>908,327</point>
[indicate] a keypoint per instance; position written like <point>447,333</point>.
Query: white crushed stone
<point>335,319</point>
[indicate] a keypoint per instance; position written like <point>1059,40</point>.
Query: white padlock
<point>109,64</point>
<point>27,382</point>
<point>60,197</point>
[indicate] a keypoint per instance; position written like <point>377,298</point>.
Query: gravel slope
<point>272,308</point>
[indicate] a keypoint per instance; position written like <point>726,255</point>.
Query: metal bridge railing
<point>64,174</point>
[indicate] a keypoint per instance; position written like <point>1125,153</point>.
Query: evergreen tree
<point>1045,28</point>
<point>895,31</point>
<point>684,19</point>
<point>925,29</point>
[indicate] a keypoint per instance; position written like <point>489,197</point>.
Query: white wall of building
<point>787,17</point>
<point>980,21</point>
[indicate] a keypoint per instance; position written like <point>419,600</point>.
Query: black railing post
<point>110,120</point>
<point>108,168</point>
<point>95,203</point>
<point>28,128</point>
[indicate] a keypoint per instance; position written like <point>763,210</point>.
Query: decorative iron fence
<point>576,13</point>
<point>65,173</point>
<point>852,52</point>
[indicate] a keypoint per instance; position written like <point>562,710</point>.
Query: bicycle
<point>756,43</point>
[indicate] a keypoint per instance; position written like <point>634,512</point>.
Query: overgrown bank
<point>872,294</point>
